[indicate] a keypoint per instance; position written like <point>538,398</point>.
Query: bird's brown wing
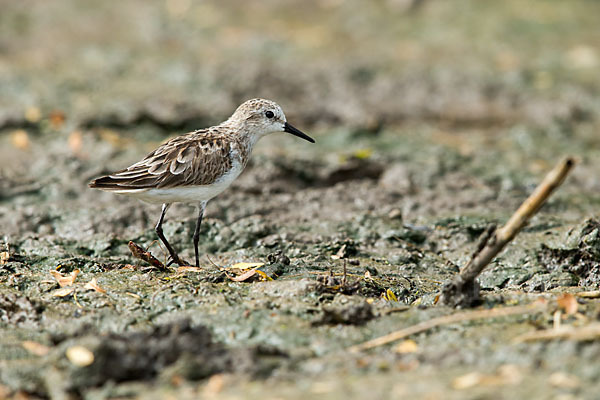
<point>193,159</point>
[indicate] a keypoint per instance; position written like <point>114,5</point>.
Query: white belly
<point>185,194</point>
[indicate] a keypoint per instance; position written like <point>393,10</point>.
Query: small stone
<point>395,214</point>
<point>397,179</point>
<point>80,356</point>
<point>347,311</point>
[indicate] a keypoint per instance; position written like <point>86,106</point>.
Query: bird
<point>197,166</point>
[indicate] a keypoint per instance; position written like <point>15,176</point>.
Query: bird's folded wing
<point>183,161</point>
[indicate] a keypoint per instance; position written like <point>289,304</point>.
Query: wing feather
<point>198,158</point>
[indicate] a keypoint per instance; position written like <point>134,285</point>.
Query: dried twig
<point>535,307</point>
<point>593,294</point>
<point>140,253</point>
<point>583,333</point>
<point>212,262</point>
<point>464,290</point>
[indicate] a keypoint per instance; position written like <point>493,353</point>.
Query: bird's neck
<point>241,141</point>
<point>242,134</point>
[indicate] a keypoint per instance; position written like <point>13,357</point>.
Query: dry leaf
<point>35,348</point>
<point>214,385</point>
<point>263,274</point>
<point>467,381</point>
<point>177,380</point>
<point>568,303</point>
<point>4,257</point>
<point>406,346</point>
<point>243,277</point>
<point>582,56</point>
<point>65,280</point>
<point>506,375</point>
<point>80,356</point>
<point>556,319</point>
<point>363,154</point>
<point>593,294</point>
<point>93,285</point>
<point>139,252</point>
<point>247,265</point>
<point>57,119</point>
<point>114,138</point>
<point>564,380</point>
<point>63,292</point>
<point>33,114</point>
<point>340,254</point>
<point>255,270</point>
<point>389,296</point>
<point>20,139</point>
<point>5,392</point>
<point>188,269</point>
<point>75,142</point>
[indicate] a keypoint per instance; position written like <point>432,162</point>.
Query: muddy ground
<point>433,119</point>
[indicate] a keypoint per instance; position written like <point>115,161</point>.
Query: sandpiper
<point>197,166</point>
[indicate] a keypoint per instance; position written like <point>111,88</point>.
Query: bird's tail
<point>105,183</point>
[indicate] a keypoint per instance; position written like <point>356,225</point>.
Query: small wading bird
<point>195,167</point>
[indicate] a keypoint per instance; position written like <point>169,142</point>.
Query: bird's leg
<point>158,228</point>
<point>201,209</point>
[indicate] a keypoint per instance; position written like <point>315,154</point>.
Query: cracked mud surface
<point>439,126</point>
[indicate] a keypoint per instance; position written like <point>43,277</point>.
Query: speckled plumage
<point>199,165</point>
<point>197,158</point>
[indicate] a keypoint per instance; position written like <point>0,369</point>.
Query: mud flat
<point>419,150</point>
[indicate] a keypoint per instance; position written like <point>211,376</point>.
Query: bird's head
<point>260,117</point>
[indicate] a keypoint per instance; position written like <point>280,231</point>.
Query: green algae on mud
<point>407,242</point>
<point>435,130</point>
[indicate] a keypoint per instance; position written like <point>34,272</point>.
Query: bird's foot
<point>175,259</point>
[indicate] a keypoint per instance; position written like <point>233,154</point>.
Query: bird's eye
<point>269,114</point>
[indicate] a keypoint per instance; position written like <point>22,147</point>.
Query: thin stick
<point>455,292</point>
<point>529,207</point>
<point>345,275</point>
<point>211,261</point>
<point>535,307</point>
<point>594,294</point>
<point>583,333</point>
<point>140,253</point>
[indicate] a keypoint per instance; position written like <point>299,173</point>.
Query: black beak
<point>296,132</point>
